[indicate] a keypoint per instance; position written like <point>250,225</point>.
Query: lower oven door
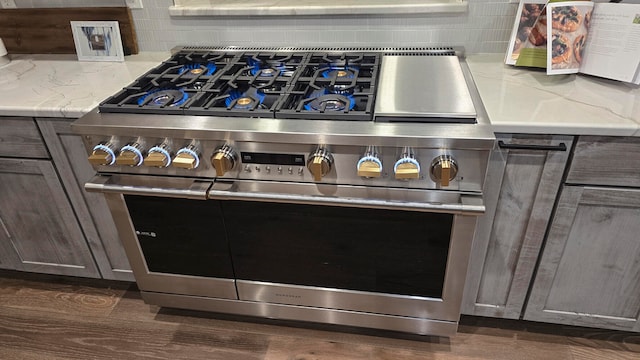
<point>173,238</point>
<point>384,251</point>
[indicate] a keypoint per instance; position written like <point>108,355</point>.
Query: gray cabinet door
<point>70,157</point>
<point>520,192</point>
<point>38,223</point>
<point>589,270</point>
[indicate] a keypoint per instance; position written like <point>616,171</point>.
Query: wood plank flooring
<point>54,318</point>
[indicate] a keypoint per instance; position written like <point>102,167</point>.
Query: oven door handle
<point>149,186</point>
<point>350,196</point>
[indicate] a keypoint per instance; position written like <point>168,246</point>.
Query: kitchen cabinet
<point>39,231</point>
<point>524,176</point>
<point>589,269</point>
<point>70,157</point>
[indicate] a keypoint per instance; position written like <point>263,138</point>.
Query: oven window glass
<point>180,236</point>
<point>384,251</point>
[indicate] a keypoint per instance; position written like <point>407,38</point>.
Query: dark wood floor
<point>47,317</point>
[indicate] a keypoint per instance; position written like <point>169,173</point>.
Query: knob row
<point>157,156</point>
<point>443,168</point>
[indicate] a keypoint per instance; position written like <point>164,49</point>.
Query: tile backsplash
<point>484,28</point>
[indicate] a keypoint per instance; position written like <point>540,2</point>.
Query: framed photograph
<point>97,40</point>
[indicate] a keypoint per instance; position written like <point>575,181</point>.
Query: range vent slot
<point>406,51</point>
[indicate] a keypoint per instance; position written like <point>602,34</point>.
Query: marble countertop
<point>529,101</point>
<point>62,86</point>
<point>516,100</point>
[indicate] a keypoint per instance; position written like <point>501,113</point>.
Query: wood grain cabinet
<point>70,157</point>
<point>590,267</point>
<point>38,228</point>
<point>524,176</point>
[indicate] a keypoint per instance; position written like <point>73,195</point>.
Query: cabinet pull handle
<point>559,147</point>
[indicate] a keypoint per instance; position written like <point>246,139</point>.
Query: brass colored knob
<point>102,154</point>
<point>407,169</point>
<point>186,159</point>
<point>128,158</point>
<point>443,170</point>
<point>156,159</point>
<point>100,157</point>
<point>223,160</point>
<point>370,168</point>
<point>319,164</point>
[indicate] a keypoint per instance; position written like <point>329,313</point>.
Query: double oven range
<point>336,186</point>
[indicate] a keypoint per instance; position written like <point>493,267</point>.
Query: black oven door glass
<point>180,236</point>
<point>383,251</point>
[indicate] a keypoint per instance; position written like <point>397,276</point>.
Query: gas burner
<point>198,69</point>
<point>341,89</point>
<point>270,67</point>
<point>323,101</point>
<point>267,86</point>
<point>340,72</point>
<point>250,99</point>
<point>266,72</point>
<point>163,97</point>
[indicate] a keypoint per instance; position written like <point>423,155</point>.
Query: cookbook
<point>600,39</point>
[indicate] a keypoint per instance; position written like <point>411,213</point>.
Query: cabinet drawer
<point>600,160</point>
<point>19,137</point>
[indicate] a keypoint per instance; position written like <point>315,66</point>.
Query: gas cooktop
<point>301,85</point>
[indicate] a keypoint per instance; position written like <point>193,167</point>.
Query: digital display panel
<point>272,159</point>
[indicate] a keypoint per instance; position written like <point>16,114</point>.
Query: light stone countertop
<point>521,100</point>
<point>517,100</point>
<point>62,86</point>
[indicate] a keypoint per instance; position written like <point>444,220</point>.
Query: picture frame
<point>97,40</point>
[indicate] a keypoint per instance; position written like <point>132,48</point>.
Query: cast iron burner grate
<point>292,85</point>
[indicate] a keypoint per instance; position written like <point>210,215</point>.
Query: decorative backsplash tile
<point>484,28</point>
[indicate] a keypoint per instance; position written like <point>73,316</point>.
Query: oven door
<point>173,238</point>
<point>401,252</point>
<point>385,251</point>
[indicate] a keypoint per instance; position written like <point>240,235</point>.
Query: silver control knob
<point>224,159</point>
<point>443,169</point>
<point>319,163</point>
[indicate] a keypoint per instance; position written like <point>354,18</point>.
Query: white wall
<point>485,28</point>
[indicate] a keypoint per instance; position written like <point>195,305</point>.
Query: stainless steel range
<point>326,185</point>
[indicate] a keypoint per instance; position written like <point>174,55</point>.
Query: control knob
<point>443,169</point>
<point>370,165</point>
<point>158,156</point>
<point>130,154</point>
<point>407,167</point>
<point>103,154</point>
<point>224,159</point>
<point>187,158</point>
<point>319,163</point>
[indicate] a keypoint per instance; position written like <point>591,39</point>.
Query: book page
<point>567,33</point>
<point>526,17</point>
<point>613,47</point>
<point>533,50</point>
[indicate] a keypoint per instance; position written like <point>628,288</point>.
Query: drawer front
<point>19,137</point>
<point>601,160</point>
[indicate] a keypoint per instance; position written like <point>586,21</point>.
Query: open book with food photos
<point>595,38</point>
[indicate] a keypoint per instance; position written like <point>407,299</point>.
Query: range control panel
<point>371,165</point>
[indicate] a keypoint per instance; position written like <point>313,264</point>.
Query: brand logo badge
<point>147,233</point>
